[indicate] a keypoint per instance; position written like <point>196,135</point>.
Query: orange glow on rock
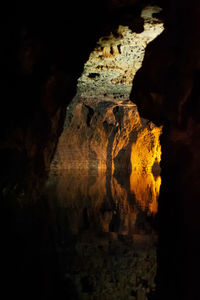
<point>146,153</point>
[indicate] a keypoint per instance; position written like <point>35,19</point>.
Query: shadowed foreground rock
<point>166,91</point>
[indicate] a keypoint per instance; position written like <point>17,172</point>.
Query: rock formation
<point>43,52</point>
<point>103,129</point>
<point>113,63</point>
<point>103,140</point>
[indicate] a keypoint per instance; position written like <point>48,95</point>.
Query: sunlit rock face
<point>112,65</point>
<point>103,130</point>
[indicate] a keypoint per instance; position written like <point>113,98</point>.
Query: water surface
<point>104,238</point>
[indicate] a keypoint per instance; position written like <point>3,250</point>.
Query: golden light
<point>146,152</point>
<point>101,121</point>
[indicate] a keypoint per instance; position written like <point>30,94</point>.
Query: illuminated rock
<point>108,138</point>
<point>111,67</point>
<point>103,130</point>
<point>146,153</point>
<point>94,134</point>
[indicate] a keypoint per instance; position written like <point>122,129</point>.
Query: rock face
<point>110,138</point>
<point>112,65</point>
<point>94,134</point>
<point>103,130</point>
<point>104,178</point>
<point>43,59</point>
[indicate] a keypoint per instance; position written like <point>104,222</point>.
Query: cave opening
<point>105,174</point>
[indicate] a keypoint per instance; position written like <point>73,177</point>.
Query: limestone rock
<point>111,67</point>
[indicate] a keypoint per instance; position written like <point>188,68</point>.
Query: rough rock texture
<point>102,129</point>
<point>111,67</point>
<point>94,134</point>
<point>110,138</point>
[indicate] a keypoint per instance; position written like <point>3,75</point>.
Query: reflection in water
<point>104,216</point>
<point>105,240</point>
<point>145,180</point>
<point>104,233</point>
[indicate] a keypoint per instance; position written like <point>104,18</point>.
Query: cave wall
<point>43,50</point>
<point>103,131</point>
<point>165,90</point>
<point>35,61</point>
<point>44,47</point>
<point>94,134</point>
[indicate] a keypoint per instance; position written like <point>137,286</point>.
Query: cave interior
<point>100,150</point>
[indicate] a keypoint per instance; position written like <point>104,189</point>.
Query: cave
<point>100,150</point>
